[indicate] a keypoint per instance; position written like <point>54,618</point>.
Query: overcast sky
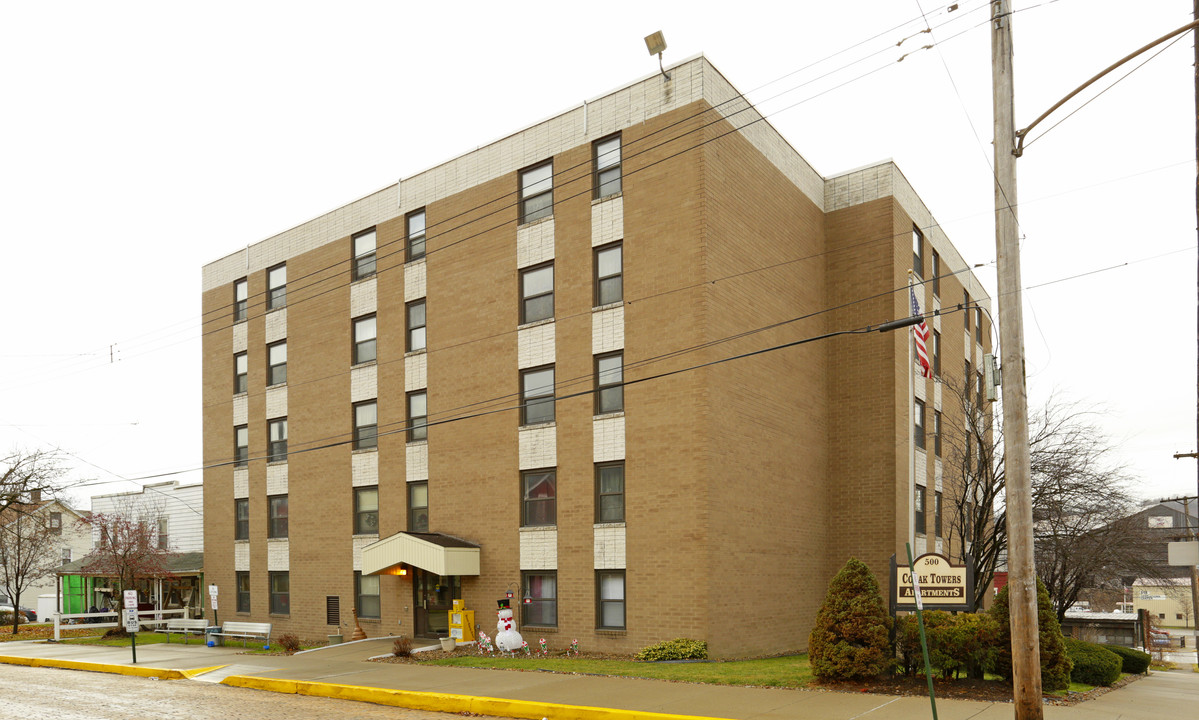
<point>143,140</point>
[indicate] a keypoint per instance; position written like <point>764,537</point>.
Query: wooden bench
<point>245,631</point>
<point>185,627</point>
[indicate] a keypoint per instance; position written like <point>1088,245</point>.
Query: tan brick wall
<point>748,483</point>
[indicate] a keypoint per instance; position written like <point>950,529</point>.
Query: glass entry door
<point>433,599</point>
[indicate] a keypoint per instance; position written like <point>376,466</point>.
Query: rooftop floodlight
<point>656,44</point>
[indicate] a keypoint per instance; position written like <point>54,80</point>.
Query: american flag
<point>920,331</point>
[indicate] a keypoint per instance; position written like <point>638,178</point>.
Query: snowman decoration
<point>506,637</point>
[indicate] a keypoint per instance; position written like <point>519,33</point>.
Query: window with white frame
<point>241,371</point>
<point>415,312</point>
<point>241,299</point>
<point>418,416</point>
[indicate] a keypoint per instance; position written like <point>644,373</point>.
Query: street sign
<point>213,602</point>
<point>212,590</point>
<point>131,622</point>
<point>130,599</point>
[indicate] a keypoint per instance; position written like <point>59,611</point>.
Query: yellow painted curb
<point>133,670</point>
<point>189,674</point>
<point>446,703</point>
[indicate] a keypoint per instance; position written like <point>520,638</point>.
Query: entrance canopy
<point>437,553</point>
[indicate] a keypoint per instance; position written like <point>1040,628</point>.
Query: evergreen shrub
<point>1093,664</point>
<point>677,649</point>
<point>1134,661</point>
<point>1055,662</point>
<point>850,638</point>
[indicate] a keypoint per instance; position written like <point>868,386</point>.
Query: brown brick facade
<point>747,483</point>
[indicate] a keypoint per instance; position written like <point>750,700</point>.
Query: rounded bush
<point>849,639</point>
<point>1134,661</point>
<point>677,649</point>
<point>1093,664</point>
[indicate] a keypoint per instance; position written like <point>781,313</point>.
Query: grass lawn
<point>43,631</point>
<point>143,638</point>
<point>792,671</point>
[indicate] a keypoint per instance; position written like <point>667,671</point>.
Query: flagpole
<point>911,435</point>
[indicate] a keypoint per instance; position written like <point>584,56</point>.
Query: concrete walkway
<point>342,671</point>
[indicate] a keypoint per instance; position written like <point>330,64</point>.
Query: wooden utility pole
<point>1195,569</point>
<point>1022,576</point>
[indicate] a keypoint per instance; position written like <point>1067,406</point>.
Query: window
<point>936,353</point>
<point>276,526</point>
<point>241,298</point>
<point>418,507</point>
<point>609,493</point>
<point>537,396</point>
<point>609,277</point>
<point>276,283</point>
<point>418,416</point>
<point>364,254</point>
<point>966,307</point>
<point>241,369</point>
<point>610,599</point>
<point>366,510</point>
<point>276,363</point>
<point>280,593</point>
<point>978,324</point>
<point>980,392</point>
<point>241,446</point>
<point>241,522</point>
<point>539,502</point>
<point>937,433</point>
<point>607,166</point>
<point>416,234</point>
<point>917,252</point>
<point>366,425</point>
<point>918,423</point>
<point>276,450</point>
<point>937,513</point>
<point>919,510</point>
<point>65,556</point>
<point>541,588</point>
<point>365,339</point>
<point>609,383</point>
<point>936,270</point>
<point>416,325</point>
<point>366,588</point>
<point>243,592</point>
<point>56,523</point>
<point>164,535</point>
<point>968,374</point>
<point>537,192</point>
<point>537,293</point>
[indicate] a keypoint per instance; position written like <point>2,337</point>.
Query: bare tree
<point>28,474</point>
<point>127,546</point>
<point>27,551</point>
<point>1081,502</point>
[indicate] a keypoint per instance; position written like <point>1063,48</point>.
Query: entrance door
<point>433,599</point>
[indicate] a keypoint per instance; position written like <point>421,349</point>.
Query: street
<point>30,692</point>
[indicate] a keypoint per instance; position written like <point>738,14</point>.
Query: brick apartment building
<point>502,374</point>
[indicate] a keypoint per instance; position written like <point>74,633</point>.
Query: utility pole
<point>1195,569</point>
<point>1022,576</point>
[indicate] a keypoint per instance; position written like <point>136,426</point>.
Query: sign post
<point>928,671</point>
<point>131,621</point>
<point>212,590</point>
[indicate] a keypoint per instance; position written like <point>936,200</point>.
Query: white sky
<point>143,140</point>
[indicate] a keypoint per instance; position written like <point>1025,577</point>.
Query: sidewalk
<point>341,671</point>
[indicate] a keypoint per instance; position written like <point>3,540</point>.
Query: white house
<point>175,512</point>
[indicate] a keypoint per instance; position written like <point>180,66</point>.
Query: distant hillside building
<point>515,372</point>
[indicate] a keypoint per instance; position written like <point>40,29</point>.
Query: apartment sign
<point>941,585</point>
